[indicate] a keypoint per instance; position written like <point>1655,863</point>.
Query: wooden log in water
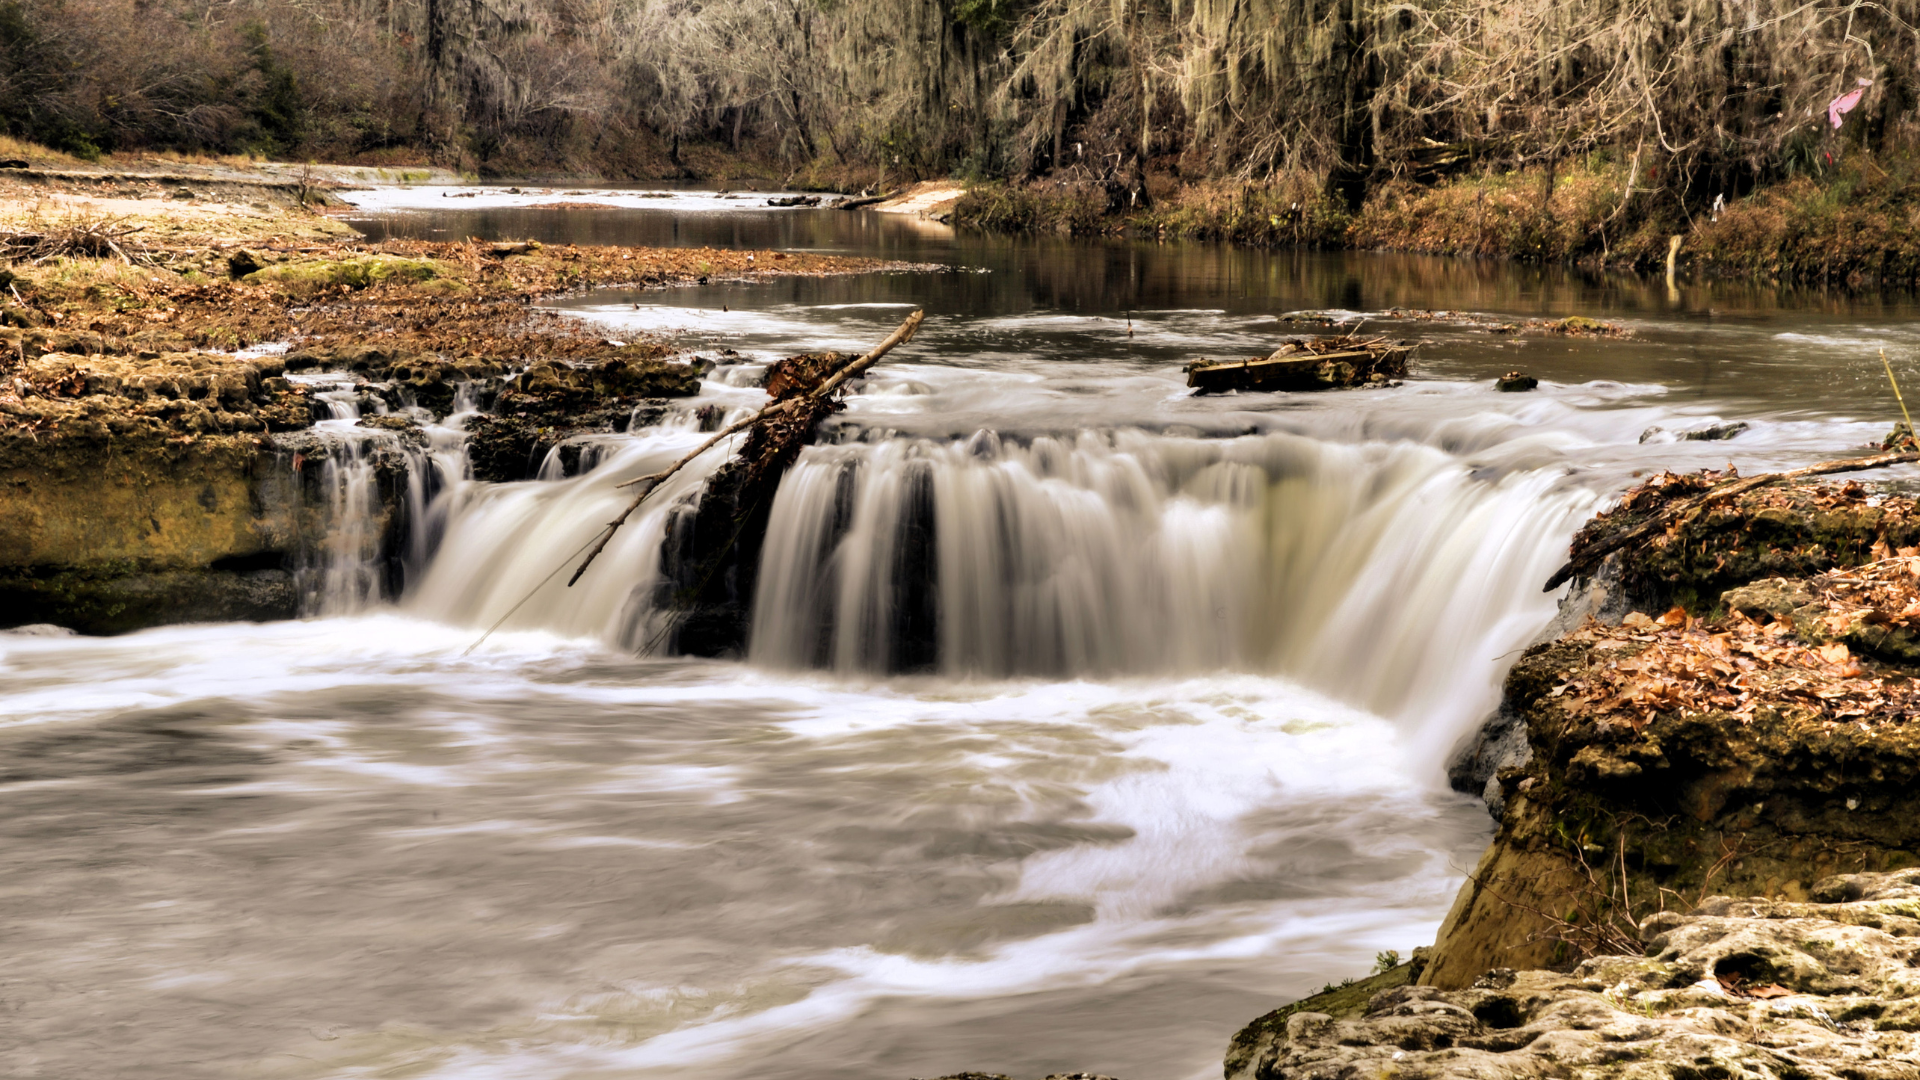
<point>775,437</point>
<point>778,432</point>
<point>1315,364</point>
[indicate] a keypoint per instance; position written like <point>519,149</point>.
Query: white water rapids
<point>1081,722</point>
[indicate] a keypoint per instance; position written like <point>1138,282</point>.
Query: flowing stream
<point>1081,720</point>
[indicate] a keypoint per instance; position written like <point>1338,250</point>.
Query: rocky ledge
<point>1753,989</point>
<point>158,463</point>
<point>1738,718</point>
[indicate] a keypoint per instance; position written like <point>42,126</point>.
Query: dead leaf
<point>1771,990</point>
<point>1675,616</point>
<point>1835,653</point>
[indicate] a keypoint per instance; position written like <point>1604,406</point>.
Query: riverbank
<point>161,464</point>
<point>1852,225</point>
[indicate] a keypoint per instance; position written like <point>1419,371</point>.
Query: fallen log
<point>856,202</point>
<point>777,434</point>
<point>1585,559</point>
<point>784,423</point>
<point>1309,364</point>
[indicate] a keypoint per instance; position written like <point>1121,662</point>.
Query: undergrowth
<point>1856,223</point>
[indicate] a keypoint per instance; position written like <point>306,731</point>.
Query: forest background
<point>1523,127</point>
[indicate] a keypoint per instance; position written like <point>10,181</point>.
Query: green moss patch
<point>360,272</point>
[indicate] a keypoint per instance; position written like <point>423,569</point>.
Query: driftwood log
<point>859,201</point>
<point>1312,364</point>
<point>1585,559</point>
<point>780,430</point>
<point>804,390</point>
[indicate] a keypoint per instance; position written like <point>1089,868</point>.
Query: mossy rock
<point>360,272</point>
<point>113,598</point>
<point>1344,1002</point>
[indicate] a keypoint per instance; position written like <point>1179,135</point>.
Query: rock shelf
<point>1753,989</point>
<point>151,442</point>
<point>1709,834</point>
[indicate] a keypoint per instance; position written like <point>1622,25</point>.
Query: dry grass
<point>1858,226</point>
<point>93,283</point>
<point>1575,212</point>
<point>231,161</point>
<point>21,149</point>
<point>78,235</point>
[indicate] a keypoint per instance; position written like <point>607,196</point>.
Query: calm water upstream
<point>1082,721</point>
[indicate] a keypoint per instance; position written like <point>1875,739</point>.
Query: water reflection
<point>1770,348</point>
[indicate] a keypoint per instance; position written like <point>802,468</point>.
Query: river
<point>1082,721</point>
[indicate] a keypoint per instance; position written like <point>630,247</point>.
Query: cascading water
<point>1069,746</point>
<point>342,572</point>
<point>1384,574</point>
<point>378,499</point>
<point>502,544</point>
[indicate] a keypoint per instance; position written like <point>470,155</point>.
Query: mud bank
<point>158,448</point>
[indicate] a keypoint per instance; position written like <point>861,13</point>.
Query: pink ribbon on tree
<point>1839,107</point>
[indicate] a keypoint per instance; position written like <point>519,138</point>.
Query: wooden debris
<point>1321,363</point>
<point>76,237</point>
<point>858,201</point>
<point>780,430</point>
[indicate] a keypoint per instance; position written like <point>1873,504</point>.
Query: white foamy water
<point>368,852</point>
<point>504,197</point>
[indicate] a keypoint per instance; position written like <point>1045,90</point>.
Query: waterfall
<point>503,542</point>
<point>1389,575</point>
<point>375,501</point>
<point>339,570</point>
<point>1384,574</point>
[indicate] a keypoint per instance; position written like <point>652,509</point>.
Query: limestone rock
<point>1747,989</point>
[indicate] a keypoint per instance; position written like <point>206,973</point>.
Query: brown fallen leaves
<point>1789,663</point>
<point>1735,984</point>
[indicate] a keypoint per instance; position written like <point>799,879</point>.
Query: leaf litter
<point>1737,663</point>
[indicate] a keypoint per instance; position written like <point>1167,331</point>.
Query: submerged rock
<point>1582,326</point>
<point>1514,382</point>
<point>1822,990</point>
<point>1715,433</point>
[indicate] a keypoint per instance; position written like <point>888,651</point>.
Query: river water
<point>1082,720</point>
